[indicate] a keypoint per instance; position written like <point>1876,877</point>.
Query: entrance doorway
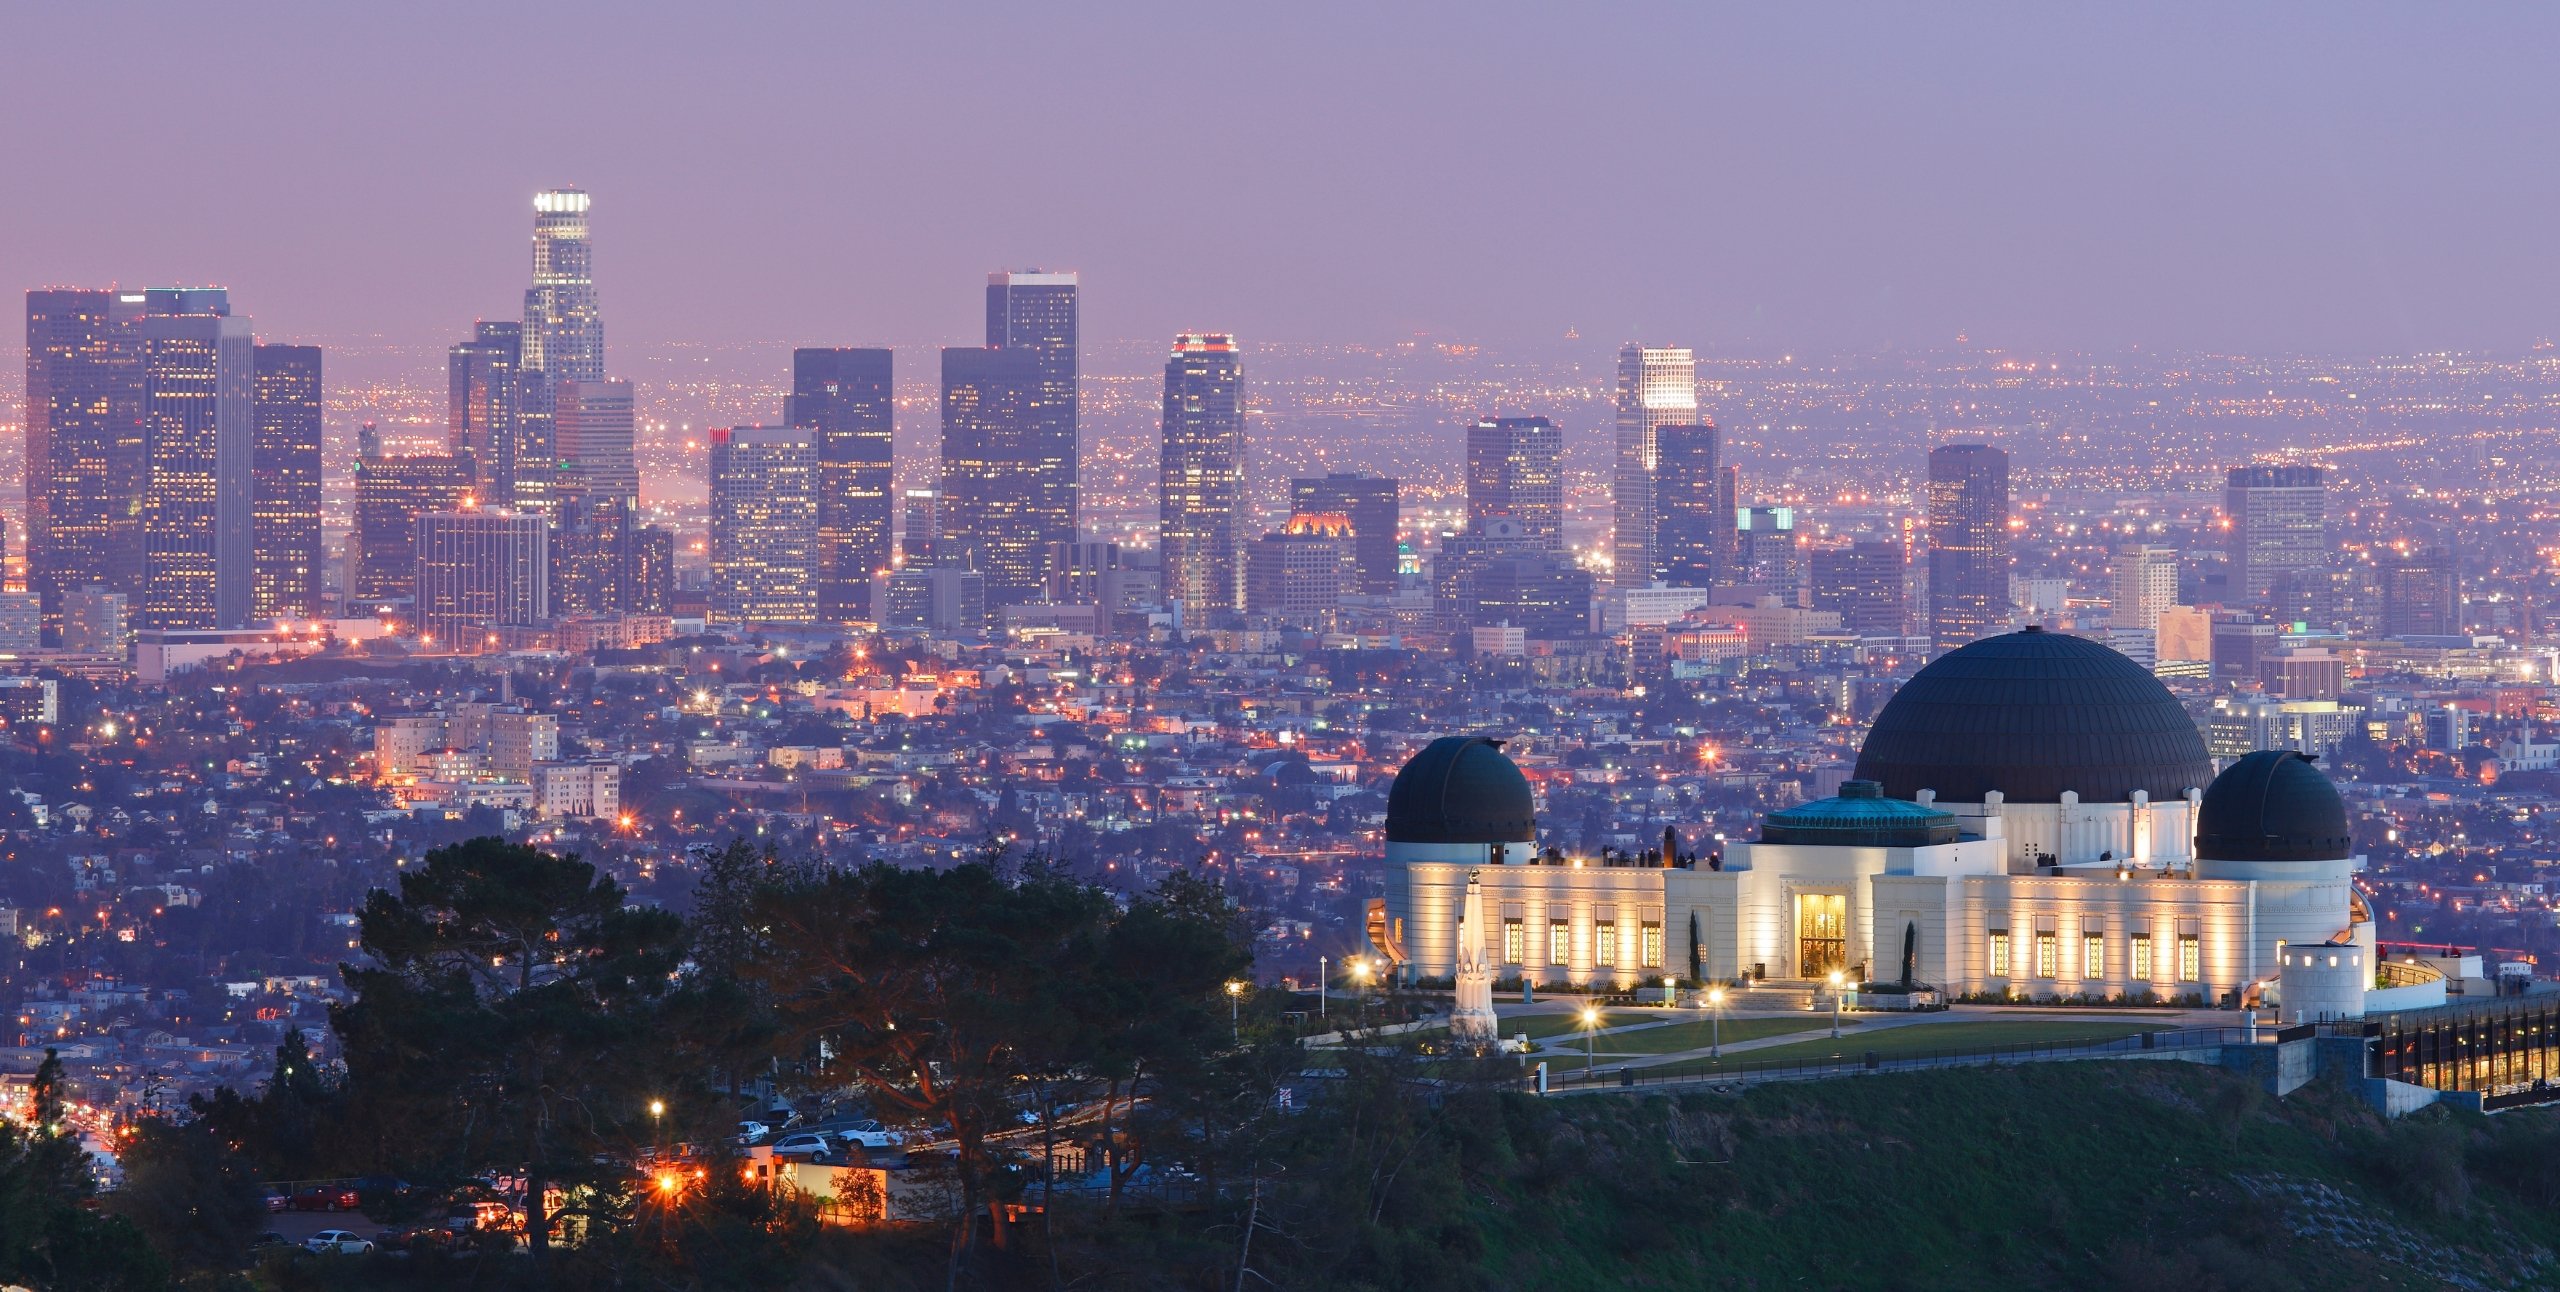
<point>1822,934</point>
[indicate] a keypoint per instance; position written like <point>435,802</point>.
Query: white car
<point>805,1142</point>
<point>750,1132</point>
<point>338,1242</point>
<point>871,1134</point>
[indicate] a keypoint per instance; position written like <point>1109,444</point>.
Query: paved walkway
<point>1570,1045</point>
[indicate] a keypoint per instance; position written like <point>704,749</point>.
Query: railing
<point>2400,973</point>
<point>1739,1071</point>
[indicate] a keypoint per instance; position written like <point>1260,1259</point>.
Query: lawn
<point>1541,1026</point>
<point>1970,1036</point>
<point>1698,1034</point>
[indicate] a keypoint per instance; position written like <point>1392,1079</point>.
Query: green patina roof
<point>1860,816</point>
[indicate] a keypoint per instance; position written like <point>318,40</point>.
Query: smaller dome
<point>1461,789</point>
<point>2272,805</point>
<point>1860,816</point>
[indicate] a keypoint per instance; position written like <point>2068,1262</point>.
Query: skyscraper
<point>2279,523</point>
<point>198,438</point>
<point>284,473</point>
<point>1765,551</point>
<point>1298,575</point>
<point>843,399</point>
<point>1515,469</point>
<point>484,382</point>
<point>2421,596</point>
<point>1034,312</point>
<point>1372,505</point>
<point>1657,387</point>
<point>592,425</point>
<point>1968,543</point>
<point>477,570</point>
<point>1862,583</point>
<point>764,523</point>
<point>1693,526</point>
<point>997,473</point>
<point>563,337</point>
<point>591,556</point>
<point>1200,474</point>
<point>2146,583</point>
<point>84,466</point>
<point>919,533</point>
<point>392,492</point>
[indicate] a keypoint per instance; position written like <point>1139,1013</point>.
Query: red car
<point>326,1197</point>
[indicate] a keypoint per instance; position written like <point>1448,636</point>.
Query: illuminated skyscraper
<point>484,417</point>
<point>84,465</point>
<point>1515,469</point>
<point>844,400</point>
<point>1373,506</point>
<point>2279,524</point>
<point>198,444</point>
<point>2421,593</point>
<point>918,535</point>
<point>592,427</point>
<point>1693,527</point>
<point>1034,312</point>
<point>1862,582</point>
<point>392,492</point>
<point>764,524</point>
<point>1968,543</point>
<point>1657,387</point>
<point>2146,583</point>
<point>1298,576</point>
<point>1200,474</point>
<point>563,338</point>
<point>284,472</point>
<point>591,556</point>
<point>998,473</point>
<point>478,570</point>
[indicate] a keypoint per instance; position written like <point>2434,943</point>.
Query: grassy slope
<point>1951,1038</point>
<point>2075,1174</point>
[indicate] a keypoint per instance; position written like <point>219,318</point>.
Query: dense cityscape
<point>706,813</point>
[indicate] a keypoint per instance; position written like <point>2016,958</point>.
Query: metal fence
<point>1848,1063</point>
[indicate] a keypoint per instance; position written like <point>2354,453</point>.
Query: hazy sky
<point>2312,177</point>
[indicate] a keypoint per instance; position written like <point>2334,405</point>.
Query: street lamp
<point>1235,1004</point>
<point>1835,1004</point>
<point>1715,1023</point>
<point>1590,1035</point>
<point>1323,967</point>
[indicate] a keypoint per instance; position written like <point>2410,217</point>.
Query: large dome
<point>2032,714</point>
<point>2272,805</point>
<point>1461,789</point>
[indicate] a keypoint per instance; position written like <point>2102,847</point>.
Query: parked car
<point>871,1134</point>
<point>326,1197</point>
<point>270,1241</point>
<point>752,1132</point>
<point>277,1200</point>
<point>805,1142</point>
<point>338,1242</point>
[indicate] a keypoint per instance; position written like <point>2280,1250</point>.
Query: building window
<point>1999,953</point>
<point>2190,958</point>
<point>2093,955</point>
<point>2048,954</point>
<point>2142,957</point>
<point>1652,958</point>
<point>1559,942</point>
<point>1604,943</point>
<point>1515,942</point>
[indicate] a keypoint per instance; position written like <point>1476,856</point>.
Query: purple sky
<point>2306,177</point>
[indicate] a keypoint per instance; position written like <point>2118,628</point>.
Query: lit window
<point>2142,957</point>
<point>2190,958</point>
<point>1652,958</point>
<point>1559,942</point>
<point>2048,955</point>
<point>1515,942</point>
<point>1999,955</point>
<point>2093,956</point>
<point>1604,943</point>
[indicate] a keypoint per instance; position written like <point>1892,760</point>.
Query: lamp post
<point>1323,966</point>
<point>1715,1023</point>
<point>1235,1004</point>
<point>1835,1004</point>
<point>1590,1038</point>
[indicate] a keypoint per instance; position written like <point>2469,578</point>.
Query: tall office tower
<point>563,338</point>
<point>649,585</point>
<point>1035,312</point>
<point>198,441</point>
<point>1968,543</point>
<point>843,399</point>
<point>94,622</point>
<point>2146,583</point>
<point>1765,550</point>
<point>1693,533</point>
<point>591,556</point>
<point>284,474</point>
<point>1298,575</point>
<point>1657,387</point>
<point>2279,522</point>
<point>1862,582</point>
<point>84,464</point>
<point>1501,574</point>
<point>1200,474</point>
<point>591,429</point>
<point>392,492</point>
<point>478,570</point>
<point>2421,595</point>
<point>1371,504</point>
<point>764,524</point>
<point>997,473</point>
<point>919,535</point>
<point>1515,468</point>
<point>484,409</point>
